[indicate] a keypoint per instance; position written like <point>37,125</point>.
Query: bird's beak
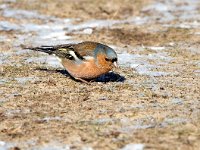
<point>115,64</point>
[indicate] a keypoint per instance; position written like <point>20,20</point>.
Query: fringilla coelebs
<point>83,61</point>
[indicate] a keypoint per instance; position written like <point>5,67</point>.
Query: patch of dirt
<point>41,105</point>
<point>85,9</point>
<point>137,36</point>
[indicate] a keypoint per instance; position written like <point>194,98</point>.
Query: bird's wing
<point>62,51</point>
<point>85,49</point>
<point>70,51</point>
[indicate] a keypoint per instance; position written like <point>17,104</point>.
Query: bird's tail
<point>46,49</point>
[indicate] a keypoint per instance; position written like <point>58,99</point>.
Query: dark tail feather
<point>46,49</point>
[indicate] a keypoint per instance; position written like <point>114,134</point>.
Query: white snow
<point>133,147</point>
<point>141,63</point>
<point>49,60</point>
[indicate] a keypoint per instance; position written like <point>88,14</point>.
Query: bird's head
<point>106,56</point>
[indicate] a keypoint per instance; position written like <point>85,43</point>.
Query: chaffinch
<point>83,61</point>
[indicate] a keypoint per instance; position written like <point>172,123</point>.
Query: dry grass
<point>85,9</point>
<point>52,107</point>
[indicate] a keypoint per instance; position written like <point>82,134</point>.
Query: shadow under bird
<point>83,61</point>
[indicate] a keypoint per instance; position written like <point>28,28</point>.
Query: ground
<point>152,101</point>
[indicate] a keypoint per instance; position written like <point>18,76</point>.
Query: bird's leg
<point>92,80</point>
<point>82,80</point>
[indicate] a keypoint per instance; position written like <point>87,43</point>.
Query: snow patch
<point>141,64</point>
<point>51,61</point>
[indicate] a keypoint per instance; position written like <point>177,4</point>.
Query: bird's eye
<point>107,59</point>
<point>111,60</point>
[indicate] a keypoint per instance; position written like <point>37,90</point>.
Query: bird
<point>83,61</point>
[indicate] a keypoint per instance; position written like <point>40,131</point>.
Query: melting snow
<point>51,61</point>
<point>23,80</point>
<point>7,26</point>
<point>141,64</point>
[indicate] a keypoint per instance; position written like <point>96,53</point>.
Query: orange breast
<point>86,70</point>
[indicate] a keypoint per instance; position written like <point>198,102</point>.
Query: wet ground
<point>151,102</point>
